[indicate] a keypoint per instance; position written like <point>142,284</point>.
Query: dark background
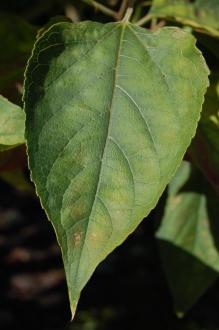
<point>127,291</point>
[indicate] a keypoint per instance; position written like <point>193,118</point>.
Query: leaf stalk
<point>128,14</point>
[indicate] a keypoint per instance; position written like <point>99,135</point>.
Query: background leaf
<point>12,120</point>
<point>103,109</point>
<point>200,14</point>
<point>17,39</point>
<point>188,237</point>
<point>204,149</point>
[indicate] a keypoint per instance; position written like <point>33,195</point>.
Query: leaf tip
<point>73,307</point>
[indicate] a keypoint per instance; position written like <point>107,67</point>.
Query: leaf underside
<point>200,14</point>
<point>12,119</point>
<point>111,110</point>
<point>189,250</point>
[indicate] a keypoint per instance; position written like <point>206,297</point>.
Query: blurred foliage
<point>205,147</point>
<point>188,237</point>
<point>200,14</point>
<point>12,121</point>
<point>17,38</point>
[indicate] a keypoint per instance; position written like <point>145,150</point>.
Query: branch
<point>107,11</point>
<point>146,3</point>
<point>144,20</point>
<point>122,9</point>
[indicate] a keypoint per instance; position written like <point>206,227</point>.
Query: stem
<point>144,20</point>
<point>72,13</point>
<point>107,11</point>
<point>153,24</point>
<point>122,9</point>
<point>128,15</point>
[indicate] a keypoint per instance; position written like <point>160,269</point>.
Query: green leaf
<point>12,119</point>
<point>188,237</point>
<point>17,39</point>
<point>204,149</point>
<point>111,110</point>
<point>200,14</point>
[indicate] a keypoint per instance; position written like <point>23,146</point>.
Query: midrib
<point>117,62</point>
